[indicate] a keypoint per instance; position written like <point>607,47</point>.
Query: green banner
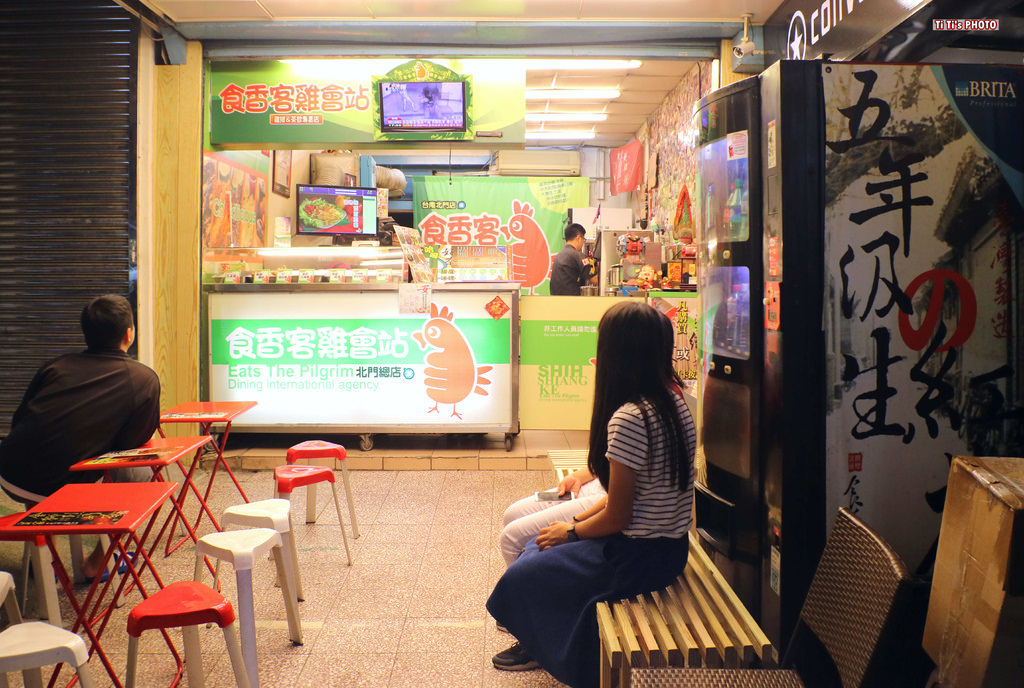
<point>320,103</point>
<point>346,341</point>
<point>529,214</point>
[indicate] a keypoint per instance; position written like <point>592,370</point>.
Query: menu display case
<point>347,357</point>
<point>315,264</point>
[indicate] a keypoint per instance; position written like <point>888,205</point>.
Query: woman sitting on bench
<point>642,442</point>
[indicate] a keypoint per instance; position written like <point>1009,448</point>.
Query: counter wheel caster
<point>366,441</point>
<point>508,441</point>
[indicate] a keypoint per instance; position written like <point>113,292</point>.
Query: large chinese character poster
<point>527,214</point>
<point>923,228</point>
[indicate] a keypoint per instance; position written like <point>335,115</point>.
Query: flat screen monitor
<point>422,106</point>
<point>336,211</point>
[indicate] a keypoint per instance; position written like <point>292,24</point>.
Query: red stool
<point>289,477</point>
<point>185,605</point>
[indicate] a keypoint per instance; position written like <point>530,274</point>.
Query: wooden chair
<point>853,611</point>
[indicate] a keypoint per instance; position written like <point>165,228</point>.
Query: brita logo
<point>984,89</point>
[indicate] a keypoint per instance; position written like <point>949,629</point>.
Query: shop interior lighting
<point>566,117</point>
<point>341,251</point>
<point>552,134</point>
<point>585,65</point>
<point>392,263</point>
<point>572,93</point>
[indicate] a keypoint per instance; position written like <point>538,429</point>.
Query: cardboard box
<point>975,627</point>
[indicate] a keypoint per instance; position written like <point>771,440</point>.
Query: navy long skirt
<point>547,600</point>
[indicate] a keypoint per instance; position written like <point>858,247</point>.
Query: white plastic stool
<point>27,647</point>
<point>276,515</point>
<point>241,549</point>
<point>9,598</point>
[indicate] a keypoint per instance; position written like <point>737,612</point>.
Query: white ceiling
<point>449,10</point>
<point>642,88</point>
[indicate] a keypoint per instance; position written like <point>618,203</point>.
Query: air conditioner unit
<point>525,163</point>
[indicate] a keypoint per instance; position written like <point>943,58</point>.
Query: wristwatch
<point>571,534</point>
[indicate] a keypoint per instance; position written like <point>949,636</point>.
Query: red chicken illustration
<point>531,254</point>
<point>451,372</point>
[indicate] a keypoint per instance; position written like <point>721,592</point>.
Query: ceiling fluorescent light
<point>583,65</point>
<point>572,93</point>
<point>549,135</point>
<point>566,117</point>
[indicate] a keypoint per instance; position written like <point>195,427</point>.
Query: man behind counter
<point>568,271</point>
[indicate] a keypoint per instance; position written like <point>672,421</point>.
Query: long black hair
<point>634,364</point>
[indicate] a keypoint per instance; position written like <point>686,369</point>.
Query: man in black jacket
<point>568,271</point>
<point>81,405</point>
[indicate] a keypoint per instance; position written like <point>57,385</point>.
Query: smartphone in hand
<point>553,496</point>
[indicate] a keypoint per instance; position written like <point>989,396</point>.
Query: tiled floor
<point>409,612</point>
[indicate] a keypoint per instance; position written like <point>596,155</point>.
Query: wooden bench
<point>565,461</point>
<point>696,622</point>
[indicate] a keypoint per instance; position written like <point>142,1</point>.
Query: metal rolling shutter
<point>67,176</point>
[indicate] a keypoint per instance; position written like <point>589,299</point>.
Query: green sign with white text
<point>528,214</point>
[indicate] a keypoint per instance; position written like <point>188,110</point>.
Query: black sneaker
<point>514,659</point>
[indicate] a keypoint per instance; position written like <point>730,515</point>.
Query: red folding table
<point>118,511</point>
<point>156,454</point>
<point>206,414</point>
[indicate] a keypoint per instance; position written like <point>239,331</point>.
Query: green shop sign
<point>346,341</point>
<point>319,103</point>
<point>528,214</point>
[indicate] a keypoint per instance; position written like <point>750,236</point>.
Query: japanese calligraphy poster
<point>527,214</point>
<point>923,224</point>
<point>351,359</point>
<point>234,200</point>
<point>319,103</point>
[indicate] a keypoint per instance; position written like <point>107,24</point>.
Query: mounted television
<point>341,212</point>
<point>422,106</point>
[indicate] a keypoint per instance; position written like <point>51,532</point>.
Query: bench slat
<point>708,649</point>
<point>630,644</point>
<point>680,633</point>
<point>762,646</point>
<point>737,633</point>
<point>644,635</point>
<point>609,638</point>
<point>718,632</point>
<point>660,629</point>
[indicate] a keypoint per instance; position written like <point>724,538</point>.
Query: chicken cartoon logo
<point>451,373</point>
<point>531,254</point>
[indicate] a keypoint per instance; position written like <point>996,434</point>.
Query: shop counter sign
<point>527,214</point>
<point>401,370</point>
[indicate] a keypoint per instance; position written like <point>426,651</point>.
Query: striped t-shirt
<point>660,509</point>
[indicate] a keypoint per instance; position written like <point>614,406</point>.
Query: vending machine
<point>860,230</point>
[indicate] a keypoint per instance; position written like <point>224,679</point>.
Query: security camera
<point>743,49</point>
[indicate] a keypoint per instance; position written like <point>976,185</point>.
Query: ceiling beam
<point>652,40</point>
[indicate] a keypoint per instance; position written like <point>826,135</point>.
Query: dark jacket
<point>568,273</point>
<point>76,407</point>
